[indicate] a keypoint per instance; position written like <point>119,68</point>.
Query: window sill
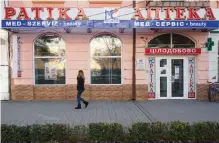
<point>105,1</point>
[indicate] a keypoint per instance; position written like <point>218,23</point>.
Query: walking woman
<point>80,88</point>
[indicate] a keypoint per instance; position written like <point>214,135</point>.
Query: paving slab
<point>41,112</point>
<point>125,112</point>
<point>183,110</point>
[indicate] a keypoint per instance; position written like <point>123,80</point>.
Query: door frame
<point>169,72</point>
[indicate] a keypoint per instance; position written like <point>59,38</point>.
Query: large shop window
<point>49,59</point>
<point>171,41</point>
<point>105,59</point>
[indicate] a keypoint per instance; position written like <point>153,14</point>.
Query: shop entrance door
<point>171,77</point>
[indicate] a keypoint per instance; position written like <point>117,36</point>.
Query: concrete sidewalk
<point>125,112</point>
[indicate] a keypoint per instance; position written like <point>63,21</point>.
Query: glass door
<point>171,77</point>
<point>162,78</point>
<point>177,77</point>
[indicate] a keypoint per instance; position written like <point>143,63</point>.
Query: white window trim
<point>171,38</point>
<point>46,57</point>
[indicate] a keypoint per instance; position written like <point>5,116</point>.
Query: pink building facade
<point>170,62</point>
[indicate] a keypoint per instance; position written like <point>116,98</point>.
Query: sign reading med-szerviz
<point>101,24</point>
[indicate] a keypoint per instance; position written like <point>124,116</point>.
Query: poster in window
<point>50,71</point>
<point>176,72</point>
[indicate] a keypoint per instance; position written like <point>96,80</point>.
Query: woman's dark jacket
<point>80,84</point>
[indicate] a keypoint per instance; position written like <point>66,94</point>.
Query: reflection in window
<point>163,62</point>
<point>105,60</point>
<point>163,71</point>
<point>161,41</point>
<point>49,51</point>
<point>163,86</point>
<point>180,41</point>
<point>49,46</point>
<point>164,41</point>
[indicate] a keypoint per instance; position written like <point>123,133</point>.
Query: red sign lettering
<point>209,14</point>
<point>167,11</point>
<point>63,13</point>
<point>151,85</point>
<point>151,65</point>
<point>37,10</point>
<point>49,13</point>
<point>193,15</point>
<point>179,14</point>
<point>157,13</point>
<point>191,93</point>
<point>170,51</point>
<point>137,14</point>
<point>23,14</point>
<point>9,11</point>
<point>148,10</point>
<point>81,14</point>
<point>19,74</point>
<point>151,93</point>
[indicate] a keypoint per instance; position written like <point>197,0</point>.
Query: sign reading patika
<point>110,17</point>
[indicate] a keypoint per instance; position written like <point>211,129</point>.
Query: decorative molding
<point>105,1</point>
<point>48,2</point>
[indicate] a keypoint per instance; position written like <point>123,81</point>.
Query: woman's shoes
<point>86,104</point>
<point>78,107</point>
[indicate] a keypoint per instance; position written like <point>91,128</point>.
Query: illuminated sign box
<point>39,17</point>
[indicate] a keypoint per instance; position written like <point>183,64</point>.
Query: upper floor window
<point>171,41</point>
<point>49,59</point>
<point>105,59</point>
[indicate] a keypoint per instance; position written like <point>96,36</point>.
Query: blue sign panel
<point>209,24</point>
<point>175,24</point>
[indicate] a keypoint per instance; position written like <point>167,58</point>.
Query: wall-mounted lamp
<point>121,30</point>
<point>155,30</point>
<point>144,39</point>
<point>89,30</point>
<point>204,30</point>
<point>67,30</point>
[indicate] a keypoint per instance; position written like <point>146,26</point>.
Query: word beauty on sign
<point>49,13</point>
<point>170,51</point>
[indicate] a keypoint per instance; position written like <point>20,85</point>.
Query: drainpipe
<point>133,60</point>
